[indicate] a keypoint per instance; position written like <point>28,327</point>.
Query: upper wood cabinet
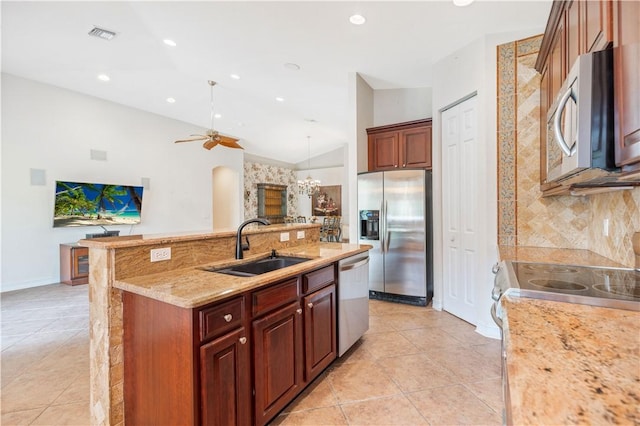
<point>399,146</point>
<point>626,63</point>
<point>272,202</point>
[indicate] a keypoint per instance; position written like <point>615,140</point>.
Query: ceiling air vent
<point>101,33</point>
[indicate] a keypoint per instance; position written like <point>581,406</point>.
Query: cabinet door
<point>416,147</point>
<point>556,64</point>
<point>626,58</point>
<point>596,20</point>
<point>383,151</point>
<point>277,357</point>
<point>225,380</point>
<point>573,25</point>
<point>319,331</point>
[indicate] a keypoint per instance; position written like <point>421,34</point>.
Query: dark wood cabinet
<point>626,59</point>
<point>278,362</point>
<point>74,264</point>
<point>319,331</point>
<point>402,145</point>
<point>272,202</point>
<point>226,380</point>
<point>238,361</point>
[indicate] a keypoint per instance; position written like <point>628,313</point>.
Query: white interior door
<point>460,188</point>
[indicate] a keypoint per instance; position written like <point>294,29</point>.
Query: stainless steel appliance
<point>580,120</point>
<point>401,259</point>
<point>353,300</point>
<point>607,287</point>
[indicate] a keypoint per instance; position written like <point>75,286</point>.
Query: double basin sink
<point>258,267</point>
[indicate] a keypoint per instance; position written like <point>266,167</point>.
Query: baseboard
<point>5,287</point>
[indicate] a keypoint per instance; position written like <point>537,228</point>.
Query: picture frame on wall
<point>327,201</point>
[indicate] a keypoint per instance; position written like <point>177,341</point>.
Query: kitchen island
<point>122,265</point>
<point>569,363</point>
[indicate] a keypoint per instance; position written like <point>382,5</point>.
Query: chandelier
<point>309,186</point>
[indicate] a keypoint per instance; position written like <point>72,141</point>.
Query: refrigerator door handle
<point>382,225</point>
<point>387,235</point>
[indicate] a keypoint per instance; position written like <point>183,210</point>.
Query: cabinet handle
<point>299,310</point>
<point>310,305</point>
<point>243,340</point>
<point>228,317</point>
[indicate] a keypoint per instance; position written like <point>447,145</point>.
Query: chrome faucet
<point>241,247</point>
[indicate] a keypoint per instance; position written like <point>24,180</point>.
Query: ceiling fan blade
<point>192,139</point>
<point>209,144</point>
<point>229,142</point>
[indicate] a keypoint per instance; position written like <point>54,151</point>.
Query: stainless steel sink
<point>258,267</point>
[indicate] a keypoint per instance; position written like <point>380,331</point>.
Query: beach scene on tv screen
<point>88,204</point>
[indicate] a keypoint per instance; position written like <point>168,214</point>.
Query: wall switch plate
<point>284,236</point>
<point>605,227</point>
<point>300,235</point>
<point>160,254</point>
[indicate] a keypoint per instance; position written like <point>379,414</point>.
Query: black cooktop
<point>610,287</point>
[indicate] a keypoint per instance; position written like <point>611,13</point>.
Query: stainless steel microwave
<point>580,120</point>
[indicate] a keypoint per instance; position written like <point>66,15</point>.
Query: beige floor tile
<point>321,417</point>
<point>33,390</point>
<point>318,395</point>
<point>68,414</point>
<point>395,410</point>
<point>490,350</point>
<point>417,372</point>
<point>20,418</point>
<point>407,321</point>
<point>382,345</point>
<point>78,391</point>
<point>379,324</point>
<point>453,405</point>
<point>489,391</point>
<point>468,365</point>
<point>468,336</point>
<point>432,337</point>
<point>357,352</point>
<point>359,381</point>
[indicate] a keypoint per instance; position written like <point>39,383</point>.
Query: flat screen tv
<point>88,204</point>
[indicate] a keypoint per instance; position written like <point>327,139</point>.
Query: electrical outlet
<point>284,236</point>
<point>160,254</point>
<point>300,235</point>
<point>605,227</point>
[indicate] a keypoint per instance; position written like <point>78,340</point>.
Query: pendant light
<point>309,186</point>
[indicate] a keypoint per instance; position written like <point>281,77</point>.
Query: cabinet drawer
<point>318,279</point>
<point>219,319</point>
<point>274,296</point>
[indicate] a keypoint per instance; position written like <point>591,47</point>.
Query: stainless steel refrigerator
<point>395,218</point>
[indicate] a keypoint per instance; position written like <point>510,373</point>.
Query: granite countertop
<point>570,363</point>
<point>193,287</point>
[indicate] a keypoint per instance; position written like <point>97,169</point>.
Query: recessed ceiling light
<point>217,115</point>
<point>169,42</point>
<point>103,77</point>
<point>171,100</point>
<point>292,66</point>
<point>462,3</point>
<point>357,19</point>
<point>235,76</point>
<point>279,99</point>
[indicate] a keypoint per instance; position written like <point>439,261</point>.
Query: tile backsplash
<point>524,217</point>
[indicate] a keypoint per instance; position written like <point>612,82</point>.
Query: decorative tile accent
<point>528,46</point>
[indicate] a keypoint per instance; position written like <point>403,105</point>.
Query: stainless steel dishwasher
<point>353,300</point>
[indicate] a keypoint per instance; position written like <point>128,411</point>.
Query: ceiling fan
<point>213,137</point>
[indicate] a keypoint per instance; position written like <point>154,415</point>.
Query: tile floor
<point>415,366</point>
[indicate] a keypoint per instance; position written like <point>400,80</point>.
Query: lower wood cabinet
<point>278,362</point>
<point>234,362</point>
<point>226,380</point>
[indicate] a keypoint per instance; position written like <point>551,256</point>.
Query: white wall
<point>469,70</point>
<point>49,128</point>
<point>399,105</point>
